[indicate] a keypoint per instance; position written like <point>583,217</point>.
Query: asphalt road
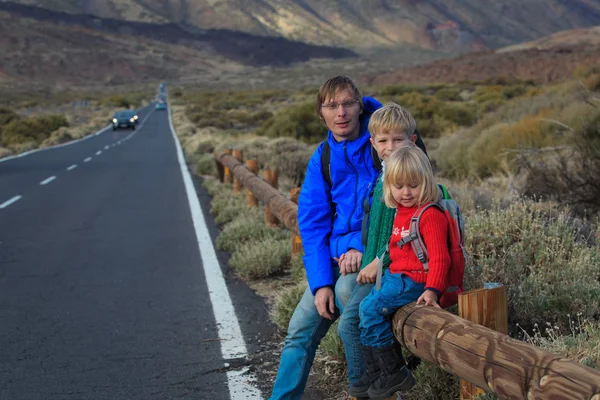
<point>103,277</point>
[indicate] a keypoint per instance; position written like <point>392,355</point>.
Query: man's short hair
<point>392,116</point>
<point>332,86</point>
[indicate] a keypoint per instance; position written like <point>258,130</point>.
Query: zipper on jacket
<point>355,183</point>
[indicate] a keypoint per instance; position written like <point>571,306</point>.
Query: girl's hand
<point>341,263</point>
<point>429,297</point>
<point>368,274</point>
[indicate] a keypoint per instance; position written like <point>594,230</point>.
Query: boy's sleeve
<point>315,221</point>
<point>434,230</point>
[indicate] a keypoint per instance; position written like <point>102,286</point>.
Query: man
<point>330,217</point>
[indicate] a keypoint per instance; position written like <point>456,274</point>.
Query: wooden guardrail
<point>488,359</point>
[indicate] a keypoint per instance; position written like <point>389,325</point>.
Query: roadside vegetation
<point>521,160</point>
<point>41,118</point>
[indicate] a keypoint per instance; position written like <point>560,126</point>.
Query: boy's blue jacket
<point>330,218</point>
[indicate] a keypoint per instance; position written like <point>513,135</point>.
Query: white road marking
<point>72,167</point>
<point>99,152</point>
<point>88,159</point>
<point>232,342</point>
<point>11,201</point>
<point>106,147</point>
<point>47,180</point>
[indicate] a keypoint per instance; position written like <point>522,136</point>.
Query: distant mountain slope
<point>449,25</point>
<point>545,60</point>
<point>572,37</point>
<point>237,46</point>
<point>55,48</point>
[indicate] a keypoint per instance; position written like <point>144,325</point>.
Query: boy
<point>391,127</point>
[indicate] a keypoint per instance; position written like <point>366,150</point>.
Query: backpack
<point>326,157</point>
<point>456,237</point>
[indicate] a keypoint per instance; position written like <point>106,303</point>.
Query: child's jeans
<point>377,308</point>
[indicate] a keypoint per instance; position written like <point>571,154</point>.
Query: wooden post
<point>270,219</point>
<point>296,240</point>
<point>487,307</point>
<point>275,178</point>
<point>252,166</point>
<point>237,186</point>
<point>227,175</point>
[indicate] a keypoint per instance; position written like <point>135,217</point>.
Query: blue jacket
<point>330,218</point>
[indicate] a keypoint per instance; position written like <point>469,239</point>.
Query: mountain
<point>549,59</point>
<point>448,25</point>
<point>43,45</point>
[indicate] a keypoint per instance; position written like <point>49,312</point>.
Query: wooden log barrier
<point>282,208</point>
<point>252,166</point>
<point>270,218</point>
<point>487,307</point>
<point>227,176</point>
<point>237,186</point>
<point>296,240</point>
<point>492,360</point>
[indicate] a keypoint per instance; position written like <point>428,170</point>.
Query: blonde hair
<point>392,116</point>
<point>331,87</point>
<point>409,166</point>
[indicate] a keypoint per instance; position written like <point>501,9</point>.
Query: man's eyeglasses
<point>345,105</point>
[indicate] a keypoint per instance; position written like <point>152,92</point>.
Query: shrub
<point>592,82</point>
<point>285,305</point>
<point>6,116</point>
<point>298,121</point>
<point>260,258</point>
<point>297,269</point>
<point>540,255</point>
<point>448,94</point>
<point>226,208</point>
<point>34,129</point>
<point>206,165</point>
<point>332,345</point>
<point>248,226</point>
<point>581,343</point>
<point>433,383</point>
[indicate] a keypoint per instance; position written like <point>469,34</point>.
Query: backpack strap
<point>326,162</point>
<point>364,229</point>
<point>380,267</point>
<point>375,158</point>
<point>415,239</point>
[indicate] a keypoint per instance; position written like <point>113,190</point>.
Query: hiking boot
<point>395,376</point>
<point>372,372</point>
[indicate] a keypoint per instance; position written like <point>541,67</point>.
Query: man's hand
<point>429,297</point>
<point>324,301</point>
<point>368,274</point>
<point>350,261</point>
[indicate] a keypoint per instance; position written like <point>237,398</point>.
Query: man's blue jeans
<point>305,331</point>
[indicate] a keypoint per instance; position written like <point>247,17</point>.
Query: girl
<point>408,185</point>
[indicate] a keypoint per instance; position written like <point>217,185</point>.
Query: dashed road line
<point>72,167</point>
<point>99,152</point>
<point>11,201</point>
<point>88,159</point>
<point>47,180</point>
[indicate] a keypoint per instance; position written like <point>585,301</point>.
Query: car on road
<point>160,105</point>
<point>124,119</point>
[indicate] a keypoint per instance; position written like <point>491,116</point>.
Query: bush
<point>260,258</point>
<point>34,129</point>
<point>249,226</point>
<point>285,305</point>
<point>540,255</point>
<point>298,121</point>
<point>433,383</point>
<point>206,165</point>
<point>226,208</point>
<point>448,94</point>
